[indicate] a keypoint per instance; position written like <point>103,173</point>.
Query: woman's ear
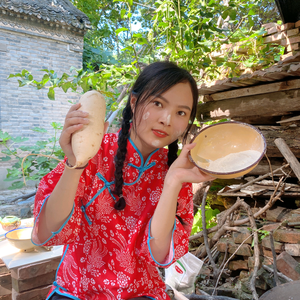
<point>132,102</point>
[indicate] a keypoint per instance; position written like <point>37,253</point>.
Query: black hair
<point>154,80</point>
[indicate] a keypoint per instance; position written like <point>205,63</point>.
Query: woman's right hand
<point>75,119</point>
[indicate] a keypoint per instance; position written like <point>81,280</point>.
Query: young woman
<point>130,209</point>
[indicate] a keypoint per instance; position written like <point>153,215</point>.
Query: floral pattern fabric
<point>107,253</point>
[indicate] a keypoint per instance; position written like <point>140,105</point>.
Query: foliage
<point>188,32</point>
<point>35,166</point>
<point>267,12</point>
<point>210,216</point>
<point>104,80</point>
<point>191,33</point>
<point>104,43</point>
<point>261,235</point>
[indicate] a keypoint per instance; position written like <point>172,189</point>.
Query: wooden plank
<point>275,38</point>
<point>292,47</point>
<point>291,136</point>
<point>289,156</point>
<point>289,41</point>
<point>264,168</point>
<point>297,118</point>
<point>292,32</point>
<point>269,25</point>
<point>268,194</point>
<point>287,26</point>
<point>260,120</point>
<point>271,104</point>
<point>257,90</point>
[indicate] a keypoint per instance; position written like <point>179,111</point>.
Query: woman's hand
<point>75,119</point>
<point>183,170</point>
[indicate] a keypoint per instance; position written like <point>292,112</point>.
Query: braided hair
<point>154,80</point>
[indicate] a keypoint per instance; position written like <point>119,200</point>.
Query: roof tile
<point>57,11</point>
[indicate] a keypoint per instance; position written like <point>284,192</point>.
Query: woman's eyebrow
<point>180,106</point>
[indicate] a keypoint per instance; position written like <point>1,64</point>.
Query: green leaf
<point>24,72</point>
<point>6,158</point>
<point>16,185</point>
<point>232,14</point>
<point>66,86</point>
<point>57,125</point>
<point>120,30</point>
<point>26,164</point>
<point>251,13</point>
<point>19,139</point>
<point>38,129</point>
<point>106,76</point>
<point>123,12</point>
<point>51,93</point>
<point>225,14</point>
<point>4,136</point>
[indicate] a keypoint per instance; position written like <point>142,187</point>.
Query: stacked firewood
<point>287,35</point>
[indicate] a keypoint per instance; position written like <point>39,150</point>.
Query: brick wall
<point>28,43</point>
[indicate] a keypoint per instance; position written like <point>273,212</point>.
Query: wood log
<point>289,156</point>
<point>261,120</point>
<point>271,104</point>
<point>290,135</point>
<point>255,90</point>
<point>264,168</point>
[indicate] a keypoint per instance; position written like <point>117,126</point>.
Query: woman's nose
<point>165,119</point>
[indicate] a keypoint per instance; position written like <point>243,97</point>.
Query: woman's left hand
<point>183,170</point>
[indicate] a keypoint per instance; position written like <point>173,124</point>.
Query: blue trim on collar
<point>144,166</point>
<point>140,154</point>
<point>53,233</point>
<point>149,247</point>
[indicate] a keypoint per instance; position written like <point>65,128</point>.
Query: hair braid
<point>172,153</point>
<point>120,157</point>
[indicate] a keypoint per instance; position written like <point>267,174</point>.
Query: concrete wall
<point>33,45</point>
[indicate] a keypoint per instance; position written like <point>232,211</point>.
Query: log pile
<point>287,35</point>
<point>269,197</point>
<point>273,108</point>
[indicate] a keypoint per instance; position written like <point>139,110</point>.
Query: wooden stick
<point>289,156</point>
<point>232,255</point>
<point>205,236</point>
<point>257,179</point>
<point>279,274</point>
<point>256,249</point>
<point>277,282</point>
<point>220,223</point>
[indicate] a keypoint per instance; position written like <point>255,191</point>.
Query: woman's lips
<point>159,133</point>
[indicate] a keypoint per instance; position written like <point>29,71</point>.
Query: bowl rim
<point>233,172</point>
<point>8,238</point>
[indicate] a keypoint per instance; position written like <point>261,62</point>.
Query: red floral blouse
<point>107,254</point>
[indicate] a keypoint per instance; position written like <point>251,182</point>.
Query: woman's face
<point>163,119</point>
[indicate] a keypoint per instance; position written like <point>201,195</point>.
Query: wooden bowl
<point>21,239</point>
<point>228,150</point>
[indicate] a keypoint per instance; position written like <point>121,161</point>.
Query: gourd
<point>87,141</point>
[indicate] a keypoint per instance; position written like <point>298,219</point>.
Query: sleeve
<point>181,231</point>
<point>71,227</point>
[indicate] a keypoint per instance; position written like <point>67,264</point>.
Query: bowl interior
<point>21,239</point>
<point>19,234</point>
<point>228,148</point>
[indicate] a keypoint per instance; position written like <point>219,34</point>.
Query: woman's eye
<point>182,113</point>
<point>156,103</point>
